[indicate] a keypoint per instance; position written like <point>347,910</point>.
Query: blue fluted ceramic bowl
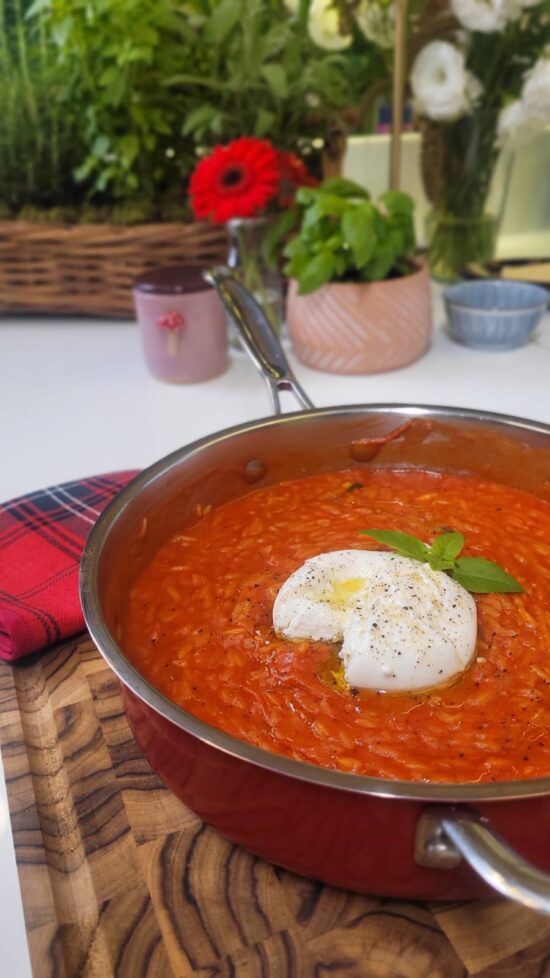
<point>494,314</point>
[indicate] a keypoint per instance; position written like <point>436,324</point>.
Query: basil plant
<point>343,236</point>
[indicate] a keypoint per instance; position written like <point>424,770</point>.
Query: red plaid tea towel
<point>42,536</point>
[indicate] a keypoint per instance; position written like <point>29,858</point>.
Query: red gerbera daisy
<point>237,180</point>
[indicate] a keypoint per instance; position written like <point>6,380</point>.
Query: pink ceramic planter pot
<point>351,328</point>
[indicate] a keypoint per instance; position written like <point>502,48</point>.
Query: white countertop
<point>76,399</point>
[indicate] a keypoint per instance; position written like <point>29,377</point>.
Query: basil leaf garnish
<point>473,573</point>
<point>444,550</point>
<point>483,576</point>
<point>404,543</point>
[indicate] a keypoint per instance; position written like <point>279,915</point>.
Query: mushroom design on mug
<point>172,323</point>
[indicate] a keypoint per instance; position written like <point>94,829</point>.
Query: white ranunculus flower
<point>486,16</point>
<point>324,26</point>
<point>536,89</point>
<point>377,21</point>
<point>515,126</point>
<point>442,88</point>
<point>524,118</point>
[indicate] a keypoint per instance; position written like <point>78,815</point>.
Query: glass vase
<point>466,179</point>
<point>251,264</point>
<point>454,242</point>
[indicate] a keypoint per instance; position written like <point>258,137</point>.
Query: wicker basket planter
<point>90,269</point>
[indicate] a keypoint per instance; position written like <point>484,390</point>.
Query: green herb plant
<point>473,573</point>
<point>257,72</point>
<point>114,55</point>
<point>343,236</point>
<point>107,104</point>
<point>39,138</point>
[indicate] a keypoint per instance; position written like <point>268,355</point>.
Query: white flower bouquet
<point>480,80</point>
<point>331,22</point>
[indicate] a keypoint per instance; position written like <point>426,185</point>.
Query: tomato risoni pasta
<point>198,625</point>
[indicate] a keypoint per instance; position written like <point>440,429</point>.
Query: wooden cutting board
<point>120,879</point>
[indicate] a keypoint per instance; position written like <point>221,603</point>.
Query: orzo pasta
<point>198,624</point>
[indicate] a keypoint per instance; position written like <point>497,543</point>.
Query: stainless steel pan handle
<point>445,835</point>
<point>258,337</point>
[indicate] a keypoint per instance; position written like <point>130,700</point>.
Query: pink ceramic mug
<point>182,323</point>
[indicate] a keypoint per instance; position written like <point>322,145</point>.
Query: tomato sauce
<point>198,625</point>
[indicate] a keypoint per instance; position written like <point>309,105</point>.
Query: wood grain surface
<point>120,879</point>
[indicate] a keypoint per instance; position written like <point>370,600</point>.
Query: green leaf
<point>447,546</point>
<point>85,169</point>
<point>296,265</point>
<point>378,269</point>
<point>145,34</point>
<point>274,41</point>
<point>329,205</point>
<point>381,225</point>
<point>483,576</point>
<point>311,217</point>
<point>344,188</point>
<point>222,21</point>
<point>100,146</point>
<point>316,273</point>
<point>295,247</point>
<point>275,77</point>
<point>332,244</point>
<point>444,550</point>
<point>405,224</point>
<point>37,8</point>
<point>104,178</point>
<point>341,264</point>
<point>358,231</point>
<point>395,242</point>
<point>397,202</point>
<point>61,31</point>
<point>438,564</point>
<point>404,543</point>
<point>265,120</point>
<point>306,195</point>
<point>128,148</point>
<point>199,118</point>
<point>108,76</point>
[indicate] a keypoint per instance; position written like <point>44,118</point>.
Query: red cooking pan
<point>397,838</point>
